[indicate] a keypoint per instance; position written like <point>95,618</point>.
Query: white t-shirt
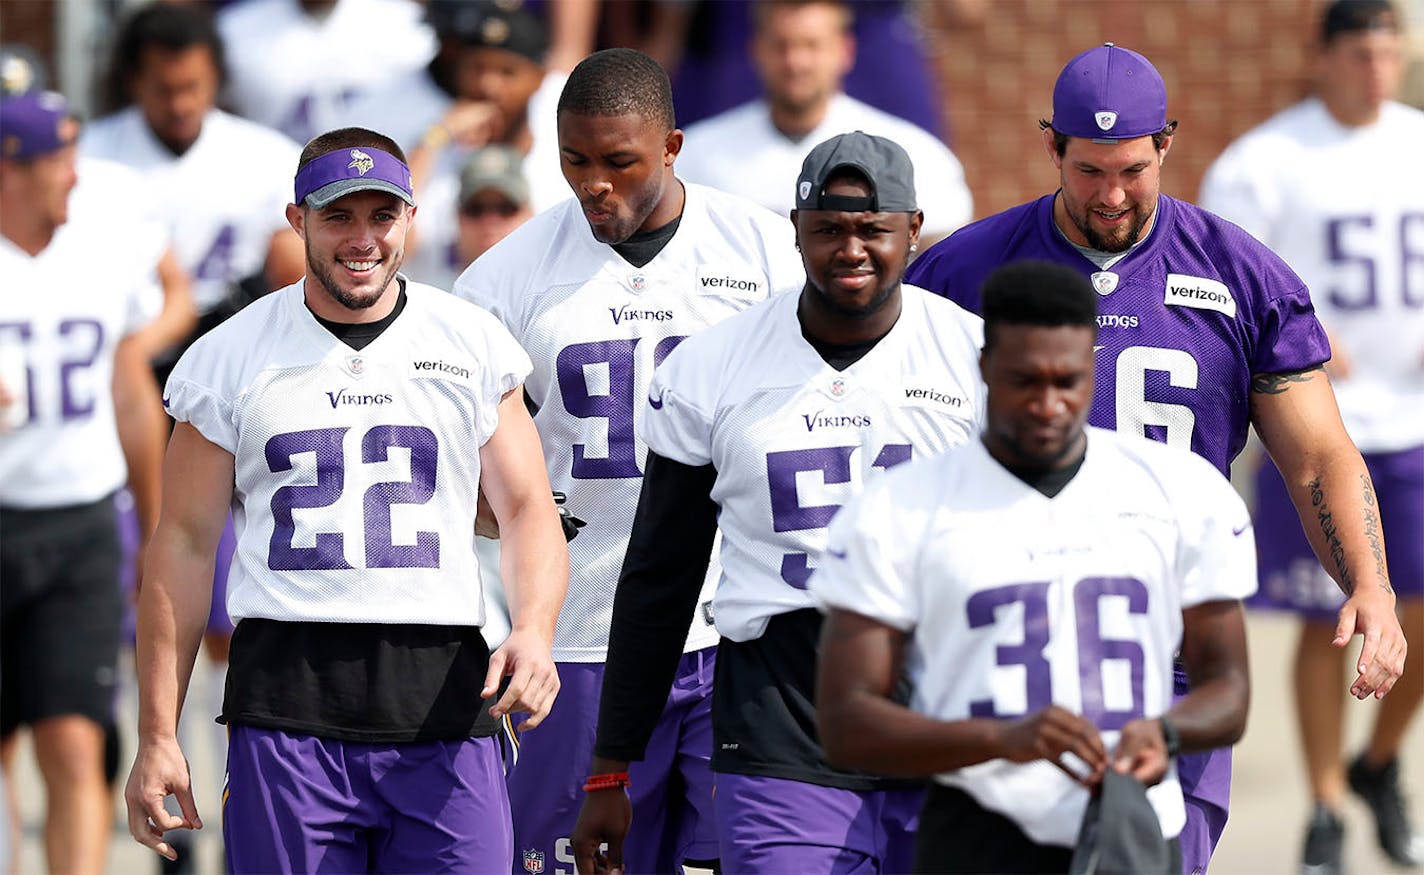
<point>62,315</point>
<point>298,73</point>
<point>596,327</point>
<point>222,200</point>
<point>1014,601</point>
<point>741,151</point>
<point>356,471</point>
<point>792,438</point>
<point>1345,208</point>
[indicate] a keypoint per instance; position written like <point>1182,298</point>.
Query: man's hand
<point>1050,733</point>
<point>159,770</point>
<point>1370,612</point>
<point>527,659</point>
<point>604,817</point>
<point>1142,751</point>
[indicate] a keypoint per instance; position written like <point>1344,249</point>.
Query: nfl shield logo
<point>533,862</point>
<point>1104,282</point>
<point>638,282</point>
<point>356,364</point>
<point>805,189</point>
<point>838,387</point>
<point>1106,119</point>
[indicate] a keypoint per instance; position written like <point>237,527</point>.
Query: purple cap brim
<point>32,125</point>
<point>345,171</point>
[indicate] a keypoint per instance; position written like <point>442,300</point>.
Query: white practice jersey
<point>741,151</point>
<point>357,472</point>
<point>299,73</point>
<point>221,232</point>
<point>435,259</point>
<point>792,438</point>
<point>1345,208</point>
<point>1014,601</point>
<point>62,315</point>
<point>596,327</point>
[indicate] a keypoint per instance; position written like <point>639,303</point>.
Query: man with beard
<point>350,420</point>
<point>599,290</point>
<point>1203,332</point>
<point>765,425</point>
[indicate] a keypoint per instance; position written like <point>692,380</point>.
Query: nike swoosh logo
<point>1096,348</point>
<point>656,403</point>
<point>1240,531</point>
<point>836,554</point>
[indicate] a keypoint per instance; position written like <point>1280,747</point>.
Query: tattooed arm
<point>1296,416</point>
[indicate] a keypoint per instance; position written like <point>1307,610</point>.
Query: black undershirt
<point>644,246</point>
<point>358,335</point>
<point>838,356</point>
<point>1049,482</point>
<point>663,571</point>
<point>366,682</point>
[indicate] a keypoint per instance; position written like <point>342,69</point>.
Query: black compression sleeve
<point>667,560</point>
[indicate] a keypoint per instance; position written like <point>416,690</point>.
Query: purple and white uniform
<point>596,326</point>
<point>1186,318</point>
<point>792,439</point>
<point>353,687</point>
<point>1312,189</point>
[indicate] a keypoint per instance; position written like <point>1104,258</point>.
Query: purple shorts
<point>780,825</point>
<point>298,803</point>
<point>671,787</point>
<point>1290,576</point>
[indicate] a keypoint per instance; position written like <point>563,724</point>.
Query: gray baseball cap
<point>883,162</point>
<point>499,168</point>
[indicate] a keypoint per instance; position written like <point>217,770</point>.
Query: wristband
<point>1171,736</point>
<point>608,781</point>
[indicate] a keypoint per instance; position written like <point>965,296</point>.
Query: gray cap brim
<point>329,193</point>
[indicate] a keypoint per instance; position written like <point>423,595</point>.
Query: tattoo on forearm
<point>1372,532</point>
<point>1332,534</point>
<point>1275,384</point>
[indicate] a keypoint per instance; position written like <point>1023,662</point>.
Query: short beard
<point>343,297</point>
<point>1102,244</point>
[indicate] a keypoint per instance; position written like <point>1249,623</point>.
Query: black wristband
<point>1171,736</point>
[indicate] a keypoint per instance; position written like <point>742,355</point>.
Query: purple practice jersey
<point>1186,318</point>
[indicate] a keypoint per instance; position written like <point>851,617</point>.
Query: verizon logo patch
<point>1199,292</point>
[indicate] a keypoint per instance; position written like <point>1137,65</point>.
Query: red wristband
<point>608,781</point>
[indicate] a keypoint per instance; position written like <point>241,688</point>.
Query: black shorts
<point>60,611</point>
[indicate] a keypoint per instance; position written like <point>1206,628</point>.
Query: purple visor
<point>337,174</point>
<point>32,125</point>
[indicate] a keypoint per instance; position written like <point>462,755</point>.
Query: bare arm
<point>573,24</point>
<point>178,317</point>
<point>1296,416</point>
<point>138,410</point>
<point>173,610</point>
<point>534,560</point>
<point>861,727</point>
<point>1213,714</point>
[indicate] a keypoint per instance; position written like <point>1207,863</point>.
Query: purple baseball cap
<point>340,172</point>
<point>1108,94</point>
<point>32,125</point>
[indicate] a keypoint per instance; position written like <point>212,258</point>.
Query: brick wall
<point>1227,65</point>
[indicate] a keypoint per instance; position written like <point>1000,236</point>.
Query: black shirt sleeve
<point>667,559</point>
